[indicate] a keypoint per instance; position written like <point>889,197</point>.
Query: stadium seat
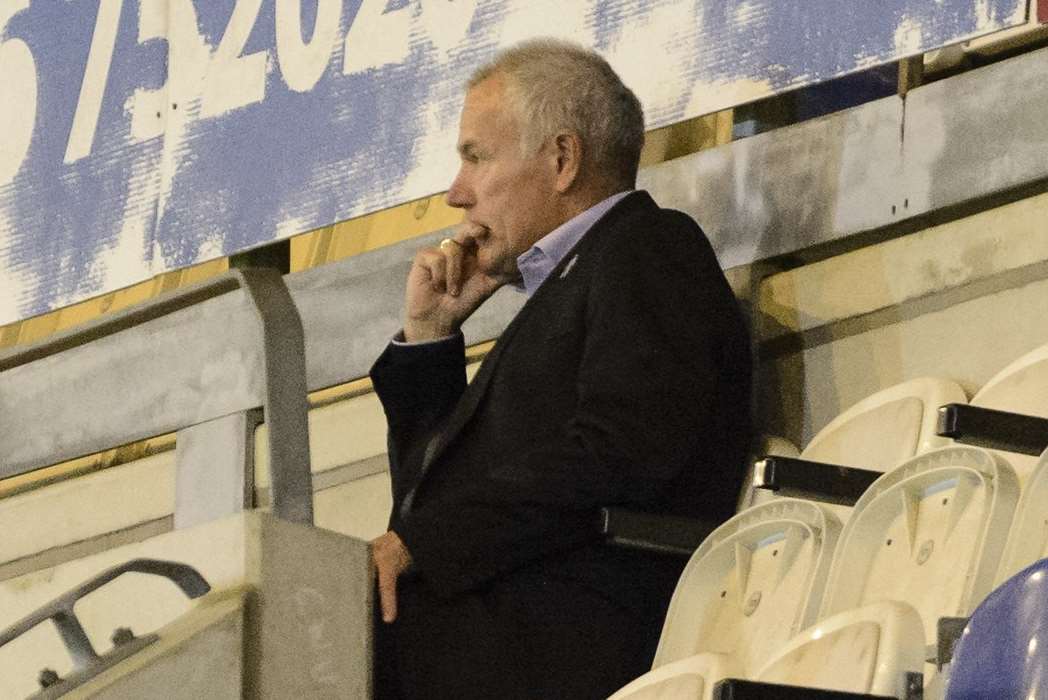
<point>1028,538</point>
<point>877,433</point>
<point>926,538</point>
<point>876,649</point>
<point>929,533</point>
<point>1001,652</point>
<point>1020,388</point>
<point>887,427</point>
<point>752,584</point>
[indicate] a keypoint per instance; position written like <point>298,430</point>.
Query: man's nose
<point>458,195</point>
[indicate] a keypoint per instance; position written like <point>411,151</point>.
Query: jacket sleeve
<point>418,385</point>
<point>657,311</point>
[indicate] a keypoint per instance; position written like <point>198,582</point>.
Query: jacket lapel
<point>475,391</point>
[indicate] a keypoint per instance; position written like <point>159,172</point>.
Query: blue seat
<point>1003,652</point>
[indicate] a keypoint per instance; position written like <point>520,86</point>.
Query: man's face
<point>509,199</point>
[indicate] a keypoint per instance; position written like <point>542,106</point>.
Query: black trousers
<point>530,636</point>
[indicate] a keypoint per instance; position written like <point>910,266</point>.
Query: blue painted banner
<point>139,136</point>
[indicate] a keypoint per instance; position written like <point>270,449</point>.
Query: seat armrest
<point>650,532</point>
<point>992,429</point>
<point>813,481</point>
<point>737,689</point>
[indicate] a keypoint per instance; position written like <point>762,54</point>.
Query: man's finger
<point>435,263</point>
<point>387,592</point>
<point>453,255</point>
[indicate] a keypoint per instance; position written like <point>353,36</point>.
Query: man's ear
<point>567,148</point>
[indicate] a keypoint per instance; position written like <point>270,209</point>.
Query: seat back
<point>752,584</point>
<point>1028,538</point>
<point>998,656</point>
<point>888,427</point>
<point>1021,387</point>
<point>880,431</point>
<point>929,533</point>
<point>867,650</point>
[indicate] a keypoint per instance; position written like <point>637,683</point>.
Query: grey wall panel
<point>182,369</point>
<point>789,188</point>
<point>978,133</point>
<point>949,142</point>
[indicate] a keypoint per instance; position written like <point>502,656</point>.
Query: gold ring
<point>446,242</point>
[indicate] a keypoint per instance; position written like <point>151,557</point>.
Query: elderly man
<point>624,380</point>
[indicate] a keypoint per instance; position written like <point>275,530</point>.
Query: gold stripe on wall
<point>37,328</point>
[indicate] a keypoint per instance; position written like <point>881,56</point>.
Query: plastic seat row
<point>782,593</point>
<point>908,419</point>
<point>781,588</point>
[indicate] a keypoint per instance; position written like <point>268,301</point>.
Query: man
<point>624,380</point>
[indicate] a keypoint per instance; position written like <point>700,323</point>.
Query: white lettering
<point>96,75</point>
<point>302,63</point>
<point>148,106</point>
<point>375,39</point>
<point>18,88</point>
<point>447,22</point>
<point>174,21</point>
<point>233,80</point>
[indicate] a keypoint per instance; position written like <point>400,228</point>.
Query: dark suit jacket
<point>624,380</point>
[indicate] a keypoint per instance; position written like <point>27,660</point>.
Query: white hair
<point>554,86</point>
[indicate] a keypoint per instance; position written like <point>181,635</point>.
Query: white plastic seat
<point>868,650</point>
<point>1028,538</point>
<point>1021,387</point>
<point>887,427</point>
<point>929,533</point>
<point>752,584</point>
<point>692,677</point>
<point>927,536</point>
<point>922,543</point>
<point>882,430</point>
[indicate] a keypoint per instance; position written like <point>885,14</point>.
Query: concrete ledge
<point>900,271</point>
<point>308,616</point>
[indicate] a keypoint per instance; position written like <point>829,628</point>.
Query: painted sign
<point>139,136</point>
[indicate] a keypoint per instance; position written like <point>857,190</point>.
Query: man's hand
<point>445,286</point>
<point>391,560</point>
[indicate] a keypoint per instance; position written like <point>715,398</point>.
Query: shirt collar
<point>538,261</point>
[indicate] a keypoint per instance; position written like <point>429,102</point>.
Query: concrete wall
<point>960,300</point>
